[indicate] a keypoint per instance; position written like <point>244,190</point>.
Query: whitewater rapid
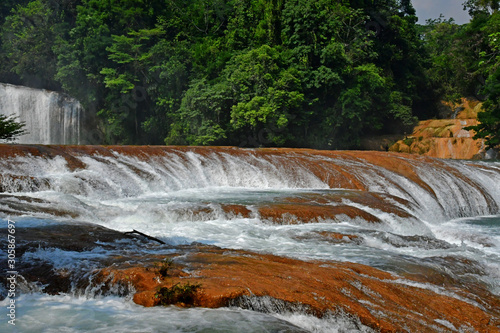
<point>445,215</point>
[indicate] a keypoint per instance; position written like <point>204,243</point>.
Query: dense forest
<point>300,73</point>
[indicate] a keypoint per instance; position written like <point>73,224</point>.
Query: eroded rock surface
<point>446,138</point>
<point>112,262</point>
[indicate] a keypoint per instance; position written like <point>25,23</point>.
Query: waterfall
<point>429,189</point>
<point>50,117</point>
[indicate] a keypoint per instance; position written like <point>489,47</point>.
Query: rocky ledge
<point>84,258</point>
<point>448,138</point>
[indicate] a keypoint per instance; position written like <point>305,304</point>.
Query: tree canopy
<point>302,73</point>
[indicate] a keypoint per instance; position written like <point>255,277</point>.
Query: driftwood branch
<point>144,235</point>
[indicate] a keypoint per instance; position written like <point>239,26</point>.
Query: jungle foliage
<point>301,73</point>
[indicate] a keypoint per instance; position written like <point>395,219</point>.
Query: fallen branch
<point>144,235</point>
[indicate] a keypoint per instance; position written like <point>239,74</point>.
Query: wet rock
<point>232,211</point>
<point>62,258</point>
<point>380,300</point>
<point>331,237</point>
<point>295,214</point>
<point>338,169</point>
<point>230,277</point>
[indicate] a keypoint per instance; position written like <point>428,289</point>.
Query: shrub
<point>177,294</point>
<point>164,267</point>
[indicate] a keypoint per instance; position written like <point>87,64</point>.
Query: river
<point>396,213</point>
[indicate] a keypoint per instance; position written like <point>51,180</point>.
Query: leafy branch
<point>10,128</point>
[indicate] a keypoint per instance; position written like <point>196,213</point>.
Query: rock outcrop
<point>446,138</point>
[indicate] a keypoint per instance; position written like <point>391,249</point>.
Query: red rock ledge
<point>380,300</point>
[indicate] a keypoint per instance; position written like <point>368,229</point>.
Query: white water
<point>42,313</point>
<point>50,117</point>
<point>178,198</point>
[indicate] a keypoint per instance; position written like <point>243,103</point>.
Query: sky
<point>432,8</point>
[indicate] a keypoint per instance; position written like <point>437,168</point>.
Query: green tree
<point>303,73</point>
<point>489,126</point>
<point>202,118</point>
<point>448,69</point>
<point>29,35</point>
<point>267,92</point>
<point>10,128</point>
<point>126,82</point>
<point>169,78</point>
<point>489,120</point>
<point>477,6</point>
<point>102,62</point>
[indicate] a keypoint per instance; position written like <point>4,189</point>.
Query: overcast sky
<point>449,8</point>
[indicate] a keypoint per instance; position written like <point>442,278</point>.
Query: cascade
<point>307,240</point>
<point>430,189</point>
<point>50,117</point>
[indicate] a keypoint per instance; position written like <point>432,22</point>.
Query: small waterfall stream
<point>50,117</point>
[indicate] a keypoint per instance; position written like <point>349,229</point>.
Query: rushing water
<point>42,313</point>
<point>451,225</point>
<point>50,117</point>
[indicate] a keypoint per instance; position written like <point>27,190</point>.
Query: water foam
<point>70,314</point>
